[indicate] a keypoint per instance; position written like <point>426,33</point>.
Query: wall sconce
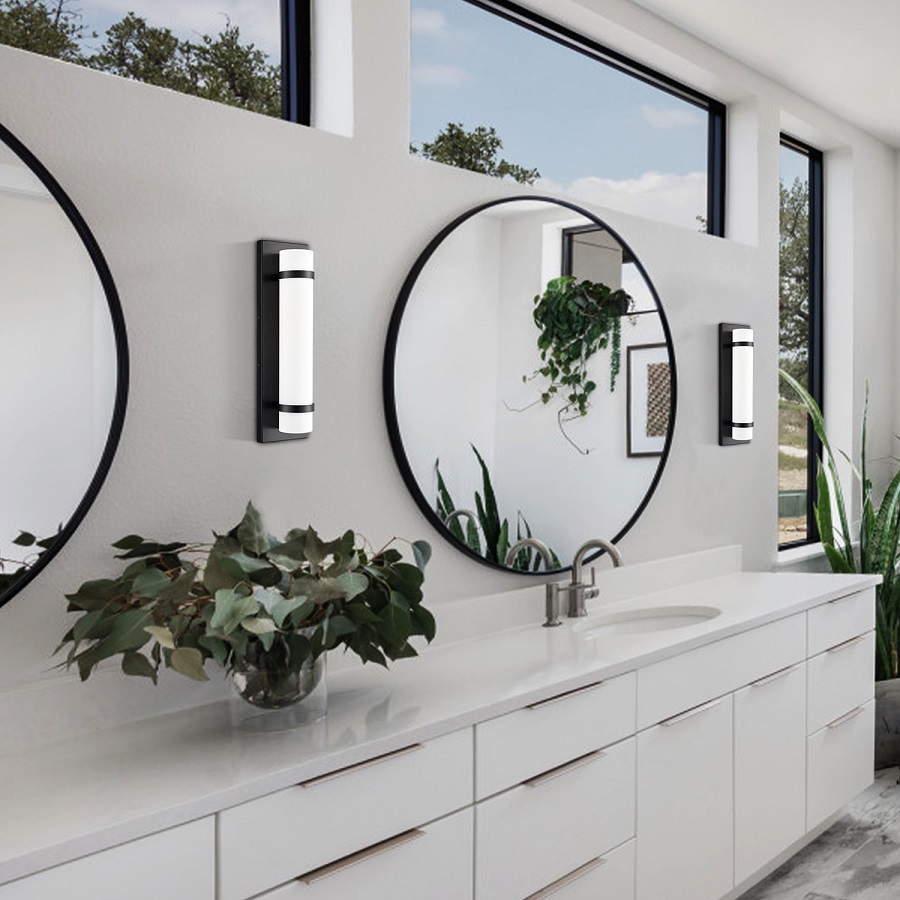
<point>735,384</point>
<point>285,277</point>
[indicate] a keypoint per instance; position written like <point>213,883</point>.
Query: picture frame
<point>649,400</point>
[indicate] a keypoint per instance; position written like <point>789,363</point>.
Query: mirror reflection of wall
<point>466,346</point>
<point>58,363</point>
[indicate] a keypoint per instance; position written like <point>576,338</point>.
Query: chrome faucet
<point>551,590</point>
<point>461,512</point>
<point>577,591</point>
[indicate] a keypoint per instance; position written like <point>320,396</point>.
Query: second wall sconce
<point>285,278</point>
<point>735,384</point>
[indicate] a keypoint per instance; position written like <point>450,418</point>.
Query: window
<point>501,90</point>
<point>800,335</point>
<point>253,54</point>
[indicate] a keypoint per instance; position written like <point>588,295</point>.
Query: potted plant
<point>576,319</point>
<point>267,610</point>
<point>873,548</point>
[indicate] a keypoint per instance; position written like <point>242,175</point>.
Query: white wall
<point>178,190</point>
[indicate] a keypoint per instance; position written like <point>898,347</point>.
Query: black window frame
<point>715,109</point>
<point>296,61</point>
<point>816,331</point>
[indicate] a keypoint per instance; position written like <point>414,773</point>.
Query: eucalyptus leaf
<point>162,634</point>
<point>188,661</point>
<point>251,532</point>
<point>231,609</point>
<point>258,626</point>
<point>134,663</point>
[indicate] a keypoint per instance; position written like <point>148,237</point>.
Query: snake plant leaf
<point>188,661</point>
<point>134,663</point>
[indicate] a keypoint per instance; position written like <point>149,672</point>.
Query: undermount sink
<point>643,621</point>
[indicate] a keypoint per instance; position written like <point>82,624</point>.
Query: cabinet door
<point>769,768</point>
<point>685,808</point>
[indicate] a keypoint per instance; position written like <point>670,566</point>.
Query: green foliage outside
<point>793,282</point>
<point>247,595</point>
<point>219,67</point>
<point>875,547</point>
<point>475,150</point>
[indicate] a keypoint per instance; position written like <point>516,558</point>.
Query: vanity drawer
<point>840,679</point>
<point>434,861</point>
<point>839,620</point>
<point>608,877</point>
<point>181,860</point>
<point>269,841</point>
<point>536,833</point>
<point>682,682</point>
<point>547,734</point>
<point>839,763</point>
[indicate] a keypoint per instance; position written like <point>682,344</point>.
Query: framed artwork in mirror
<point>649,399</point>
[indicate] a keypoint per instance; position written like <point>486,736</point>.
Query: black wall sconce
<point>735,384</point>
<point>284,307</point>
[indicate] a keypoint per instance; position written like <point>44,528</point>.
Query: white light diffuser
<point>295,341</point>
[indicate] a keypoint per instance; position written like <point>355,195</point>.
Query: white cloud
<point>669,116</point>
<point>663,196</point>
<point>428,21</point>
<point>439,76</point>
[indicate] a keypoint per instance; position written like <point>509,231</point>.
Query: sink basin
<point>644,621</point>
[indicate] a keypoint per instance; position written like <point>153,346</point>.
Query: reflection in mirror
<point>62,362</point>
<point>529,381</point>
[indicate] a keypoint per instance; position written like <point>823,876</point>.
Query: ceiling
<point>839,54</point>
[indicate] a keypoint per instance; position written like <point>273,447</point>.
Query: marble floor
<point>858,858</point>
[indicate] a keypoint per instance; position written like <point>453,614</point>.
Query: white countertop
<point>65,800</point>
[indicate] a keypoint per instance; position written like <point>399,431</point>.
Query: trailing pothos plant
<point>494,530</point>
<point>874,547</point>
<point>575,320</point>
<point>249,594</point>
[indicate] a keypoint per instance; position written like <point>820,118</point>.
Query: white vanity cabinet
<point>366,811</point>
<point>574,804</point>
<point>179,862</point>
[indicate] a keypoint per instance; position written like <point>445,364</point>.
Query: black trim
<point>715,192</point>
<point>120,335</point>
<point>390,356</point>
<point>816,343</point>
<point>296,273</point>
<point>296,61</point>
<point>304,408</point>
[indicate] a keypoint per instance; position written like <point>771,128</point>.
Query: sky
<point>258,20</point>
<point>592,131</point>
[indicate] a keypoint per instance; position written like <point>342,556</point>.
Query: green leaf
<point>150,583</point>
<point>217,647</point>
<point>188,661</point>
<point>422,553</point>
<point>231,608</point>
<point>129,542</point>
<point>25,539</point>
<point>352,584</point>
<point>295,610</point>
<point>313,548</point>
<point>162,634</point>
<point>222,572</point>
<point>251,533</point>
<point>134,663</point>
<point>258,626</point>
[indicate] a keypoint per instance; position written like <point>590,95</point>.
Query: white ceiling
<point>841,54</point>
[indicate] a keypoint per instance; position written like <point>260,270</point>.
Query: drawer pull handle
<point>838,647</point>
<point>775,676</point>
<point>361,856</point>
<point>691,713</point>
<point>550,700</point>
<point>550,774</point>
<point>365,764</point>
<point>845,718</point>
<point>566,880</point>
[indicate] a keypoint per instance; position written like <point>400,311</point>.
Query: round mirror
<point>529,382</point>
<point>63,359</point>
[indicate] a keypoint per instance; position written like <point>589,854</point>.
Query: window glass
<point>491,95</point>
<point>798,349</point>
<point>227,50</point>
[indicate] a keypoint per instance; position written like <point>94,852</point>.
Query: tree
<point>793,282</point>
<point>475,150</point>
<point>51,30</point>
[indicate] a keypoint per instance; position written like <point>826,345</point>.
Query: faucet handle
<point>593,590</point>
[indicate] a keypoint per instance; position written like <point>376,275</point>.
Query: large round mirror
<point>529,382</point>
<point>63,363</point>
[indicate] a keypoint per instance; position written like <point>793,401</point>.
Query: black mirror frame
<point>122,360</point>
<point>390,400</point>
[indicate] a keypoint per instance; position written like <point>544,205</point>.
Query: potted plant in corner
<point>265,609</point>
<point>874,548</point>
